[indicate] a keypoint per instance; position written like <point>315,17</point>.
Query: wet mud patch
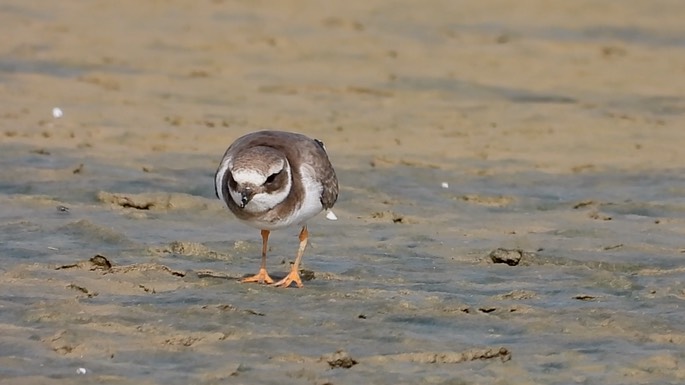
<point>111,279</point>
<point>341,359</point>
<point>97,262</point>
<point>230,308</point>
<point>101,263</point>
<point>393,217</point>
<point>189,249</point>
<point>456,168</point>
<point>85,230</point>
<point>153,201</point>
<point>520,258</point>
<point>489,201</point>
<point>501,353</point>
<point>390,161</point>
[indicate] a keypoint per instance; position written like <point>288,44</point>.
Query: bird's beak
<point>245,196</point>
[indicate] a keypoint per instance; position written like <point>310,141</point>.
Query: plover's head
<point>260,179</point>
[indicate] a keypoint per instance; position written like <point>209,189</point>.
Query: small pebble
<point>57,113</point>
<point>330,215</point>
<point>507,256</point>
<point>81,371</point>
<point>445,185</point>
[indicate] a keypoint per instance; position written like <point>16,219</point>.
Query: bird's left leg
<point>294,275</point>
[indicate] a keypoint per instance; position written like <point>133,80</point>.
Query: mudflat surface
<point>553,131</point>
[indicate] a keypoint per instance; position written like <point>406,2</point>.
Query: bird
<point>272,180</point>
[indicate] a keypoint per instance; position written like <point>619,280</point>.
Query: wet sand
<point>457,128</point>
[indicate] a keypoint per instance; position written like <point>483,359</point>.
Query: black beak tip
<point>243,201</point>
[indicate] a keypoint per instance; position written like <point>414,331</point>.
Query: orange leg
<point>262,276</point>
<point>294,275</point>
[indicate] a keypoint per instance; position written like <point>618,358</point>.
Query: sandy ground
<point>552,130</point>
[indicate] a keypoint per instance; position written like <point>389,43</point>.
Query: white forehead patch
<point>255,177</point>
<point>249,177</point>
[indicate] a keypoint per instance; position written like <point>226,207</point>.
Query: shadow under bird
<point>274,179</point>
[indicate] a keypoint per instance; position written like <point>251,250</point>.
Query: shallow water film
<point>512,204</point>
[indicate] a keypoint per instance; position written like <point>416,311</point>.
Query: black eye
<point>272,177</point>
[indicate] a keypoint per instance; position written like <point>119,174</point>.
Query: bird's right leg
<point>262,276</point>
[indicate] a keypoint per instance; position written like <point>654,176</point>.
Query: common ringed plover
<point>274,179</point>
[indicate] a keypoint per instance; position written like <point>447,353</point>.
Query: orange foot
<point>293,276</point>
<point>261,277</point>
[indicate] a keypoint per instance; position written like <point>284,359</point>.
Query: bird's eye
<point>272,177</point>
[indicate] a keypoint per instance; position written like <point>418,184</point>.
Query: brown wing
<point>329,181</point>
<point>313,152</point>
